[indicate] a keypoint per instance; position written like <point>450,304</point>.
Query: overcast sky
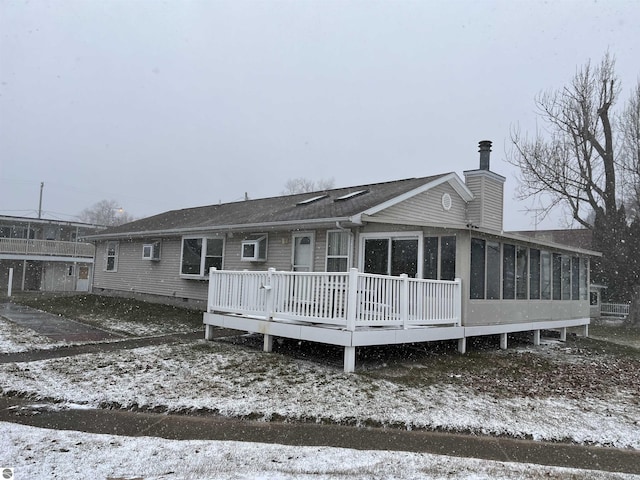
<point>172,104</point>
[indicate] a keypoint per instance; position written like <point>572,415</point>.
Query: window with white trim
<point>199,254</point>
<point>111,257</point>
<point>338,251</point>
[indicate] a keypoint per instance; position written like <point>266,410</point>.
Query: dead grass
<point>96,309</point>
<point>578,368</point>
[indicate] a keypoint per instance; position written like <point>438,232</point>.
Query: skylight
<point>312,199</point>
<point>349,195</point>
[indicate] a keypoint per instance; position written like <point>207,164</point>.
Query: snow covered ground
<point>37,453</point>
<point>238,381</point>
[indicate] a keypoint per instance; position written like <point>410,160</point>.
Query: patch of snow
<point>41,453</point>
<point>15,339</point>
<point>239,382</point>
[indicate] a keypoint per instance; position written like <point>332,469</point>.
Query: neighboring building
<point>45,255</point>
<point>438,228</point>
<point>574,237</point>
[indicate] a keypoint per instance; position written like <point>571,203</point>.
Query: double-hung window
<point>111,257</point>
<point>199,254</point>
<point>338,251</point>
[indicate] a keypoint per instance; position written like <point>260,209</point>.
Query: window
<point>349,195</point>
<point>522,273</point>
<point>584,271</point>
<point>534,274</point>
<point>391,256</point>
<point>509,272</point>
<point>575,278</point>
<point>545,275</point>
<point>448,258</point>
<point>476,284</point>
<point>557,277</point>
<point>376,256</point>
<point>566,277</point>
<point>493,271</point>
<point>200,254</point>
<point>111,257</point>
<point>431,258</point>
<point>338,251</point>
<point>439,258</point>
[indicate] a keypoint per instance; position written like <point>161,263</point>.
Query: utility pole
<point>40,204</point>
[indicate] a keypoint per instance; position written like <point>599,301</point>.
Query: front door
<point>302,252</point>
<point>82,283</point>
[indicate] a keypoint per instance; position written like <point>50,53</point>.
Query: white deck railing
<point>614,309</point>
<point>347,300</point>
<point>45,247</point>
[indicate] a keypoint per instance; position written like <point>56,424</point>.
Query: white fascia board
<point>452,178</point>
<point>46,258</point>
<point>446,226</point>
<point>219,229</point>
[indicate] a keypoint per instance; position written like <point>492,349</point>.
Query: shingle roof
<point>274,210</point>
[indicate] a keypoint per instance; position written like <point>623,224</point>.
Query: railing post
<point>269,294</point>
<point>10,286</point>
<point>457,301</point>
<point>352,299</point>
<point>211,291</point>
<point>404,300</point>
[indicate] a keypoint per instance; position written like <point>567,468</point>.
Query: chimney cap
<point>485,152</point>
<point>484,145</point>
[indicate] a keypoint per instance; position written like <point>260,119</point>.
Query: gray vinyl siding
<point>135,275</point>
<point>486,209</point>
<point>493,205</point>
<point>497,312</point>
<point>426,208</point>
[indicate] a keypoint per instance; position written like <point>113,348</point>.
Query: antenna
<point>40,204</point>
<point>536,212</point>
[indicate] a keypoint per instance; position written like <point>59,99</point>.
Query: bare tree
<point>573,159</point>
<point>303,185</point>
<point>584,159</point>
<point>629,139</point>
<point>105,212</point>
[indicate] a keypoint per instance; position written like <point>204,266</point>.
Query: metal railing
<point>20,246</point>
<point>349,300</point>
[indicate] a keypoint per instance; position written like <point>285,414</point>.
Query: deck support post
<point>208,332</point>
<point>349,359</point>
<point>536,337</point>
<point>563,334</point>
<point>462,345</point>
<point>503,341</point>
<point>585,330</point>
<point>268,343</point>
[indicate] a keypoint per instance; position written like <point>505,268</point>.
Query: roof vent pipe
<point>485,152</point>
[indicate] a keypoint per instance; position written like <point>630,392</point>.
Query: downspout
<point>351,240</point>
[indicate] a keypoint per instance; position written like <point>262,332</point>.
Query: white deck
<point>349,309</point>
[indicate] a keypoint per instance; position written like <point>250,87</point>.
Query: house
<point>45,255</point>
<point>411,260</point>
